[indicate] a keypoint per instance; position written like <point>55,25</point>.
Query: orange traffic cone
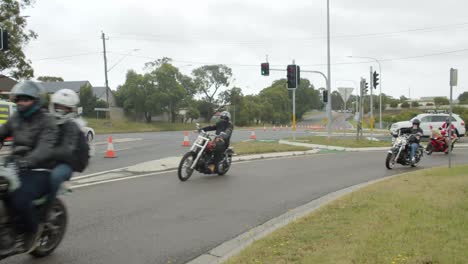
<point>110,153</point>
<point>186,140</point>
<point>252,135</point>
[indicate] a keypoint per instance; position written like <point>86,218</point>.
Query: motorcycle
<point>53,221</point>
<point>400,152</point>
<point>437,143</point>
<point>201,157</point>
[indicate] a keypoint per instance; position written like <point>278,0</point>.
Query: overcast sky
<point>404,34</point>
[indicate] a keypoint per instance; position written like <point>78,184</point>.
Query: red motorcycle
<point>437,143</point>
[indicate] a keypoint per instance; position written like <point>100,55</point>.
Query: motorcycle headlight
<point>398,141</point>
<point>200,141</point>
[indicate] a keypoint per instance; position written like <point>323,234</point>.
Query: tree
<point>403,99</point>
<point>337,101</point>
<point>50,79</point>
<point>415,104</point>
<point>405,105</point>
<point>438,101</point>
<point>193,113</point>
<point>394,104</point>
<point>210,78</point>
<point>463,98</point>
<point>88,100</point>
<point>13,61</point>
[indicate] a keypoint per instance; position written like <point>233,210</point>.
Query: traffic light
<point>298,74</point>
<point>265,68</point>
<point>375,79</point>
<point>364,86</point>
<point>292,76</point>
<point>4,41</point>
<point>325,96</point>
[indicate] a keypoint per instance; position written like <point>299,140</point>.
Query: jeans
<point>34,185</point>
<point>414,147</point>
<point>58,175</point>
<point>219,151</point>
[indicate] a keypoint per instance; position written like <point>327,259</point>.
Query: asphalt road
<point>157,219</point>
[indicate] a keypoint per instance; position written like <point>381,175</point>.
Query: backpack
<point>81,153</point>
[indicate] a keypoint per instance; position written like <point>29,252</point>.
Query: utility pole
<point>329,105</point>
<point>371,87</point>
<point>105,70</point>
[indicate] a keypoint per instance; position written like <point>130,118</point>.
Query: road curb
<point>315,146</point>
<point>234,246</point>
<point>171,163</point>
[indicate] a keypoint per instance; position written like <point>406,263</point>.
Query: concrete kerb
<point>234,246</point>
<point>315,146</point>
<point>172,163</point>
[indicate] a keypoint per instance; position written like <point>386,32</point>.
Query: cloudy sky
<point>417,41</point>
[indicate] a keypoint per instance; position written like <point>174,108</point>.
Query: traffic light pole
<point>371,84</point>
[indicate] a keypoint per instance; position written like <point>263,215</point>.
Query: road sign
<point>453,77</point>
<point>345,93</point>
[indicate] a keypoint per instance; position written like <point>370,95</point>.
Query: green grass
<point>103,126</point>
<point>343,142</point>
<point>419,217</point>
<point>257,147</point>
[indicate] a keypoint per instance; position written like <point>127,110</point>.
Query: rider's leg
<point>58,175</point>
<point>34,185</point>
<point>414,147</point>
<point>219,151</point>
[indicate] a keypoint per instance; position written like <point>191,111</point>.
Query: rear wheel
<point>54,230</point>
<point>184,172</point>
<point>390,161</point>
<point>224,167</point>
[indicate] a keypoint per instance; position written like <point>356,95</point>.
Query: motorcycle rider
<point>414,140</point>
<point>63,106</point>
<point>445,127</point>
<point>224,130</point>
<point>34,135</point>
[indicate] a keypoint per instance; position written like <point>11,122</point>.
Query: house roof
<point>6,83</point>
<point>100,91</point>
<point>52,87</point>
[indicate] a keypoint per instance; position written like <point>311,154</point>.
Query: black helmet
<point>27,88</point>
<point>225,115</point>
<point>416,122</point>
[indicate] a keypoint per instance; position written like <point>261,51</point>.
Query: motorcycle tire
<point>188,172</point>
<point>429,149</point>
<point>226,167</point>
<point>390,161</point>
<point>54,230</point>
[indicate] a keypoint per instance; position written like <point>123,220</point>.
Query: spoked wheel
<point>54,230</point>
<point>184,172</point>
<point>390,161</point>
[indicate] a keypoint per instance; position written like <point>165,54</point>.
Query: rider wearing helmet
<point>34,135</point>
<point>445,127</point>
<point>63,106</point>
<point>417,132</point>
<point>224,130</point>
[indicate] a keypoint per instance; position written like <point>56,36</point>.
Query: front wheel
<point>390,161</point>
<point>54,230</point>
<point>184,172</point>
<point>429,149</point>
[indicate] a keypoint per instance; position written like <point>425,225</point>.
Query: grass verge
<point>343,142</point>
<point>257,147</point>
<point>419,217</point>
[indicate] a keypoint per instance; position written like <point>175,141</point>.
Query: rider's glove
<point>22,164</point>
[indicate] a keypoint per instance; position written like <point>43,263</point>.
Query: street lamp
<point>380,74</point>
<point>329,114</point>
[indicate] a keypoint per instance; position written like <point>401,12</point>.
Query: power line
<point>67,56</point>
<point>167,38</point>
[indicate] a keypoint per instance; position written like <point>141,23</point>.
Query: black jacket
<point>221,126</point>
<point>412,131</point>
<point>37,132</point>
<point>67,143</point>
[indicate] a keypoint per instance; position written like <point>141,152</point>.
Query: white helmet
<point>225,115</point>
<point>67,98</point>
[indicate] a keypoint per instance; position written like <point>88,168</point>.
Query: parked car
<point>89,132</point>
<point>434,120</point>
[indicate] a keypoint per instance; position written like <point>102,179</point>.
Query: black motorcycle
<point>401,152</point>
<point>201,158</point>
<point>53,222</point>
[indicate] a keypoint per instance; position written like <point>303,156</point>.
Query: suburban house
<point>6,83</point>
<point>99,92</point>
